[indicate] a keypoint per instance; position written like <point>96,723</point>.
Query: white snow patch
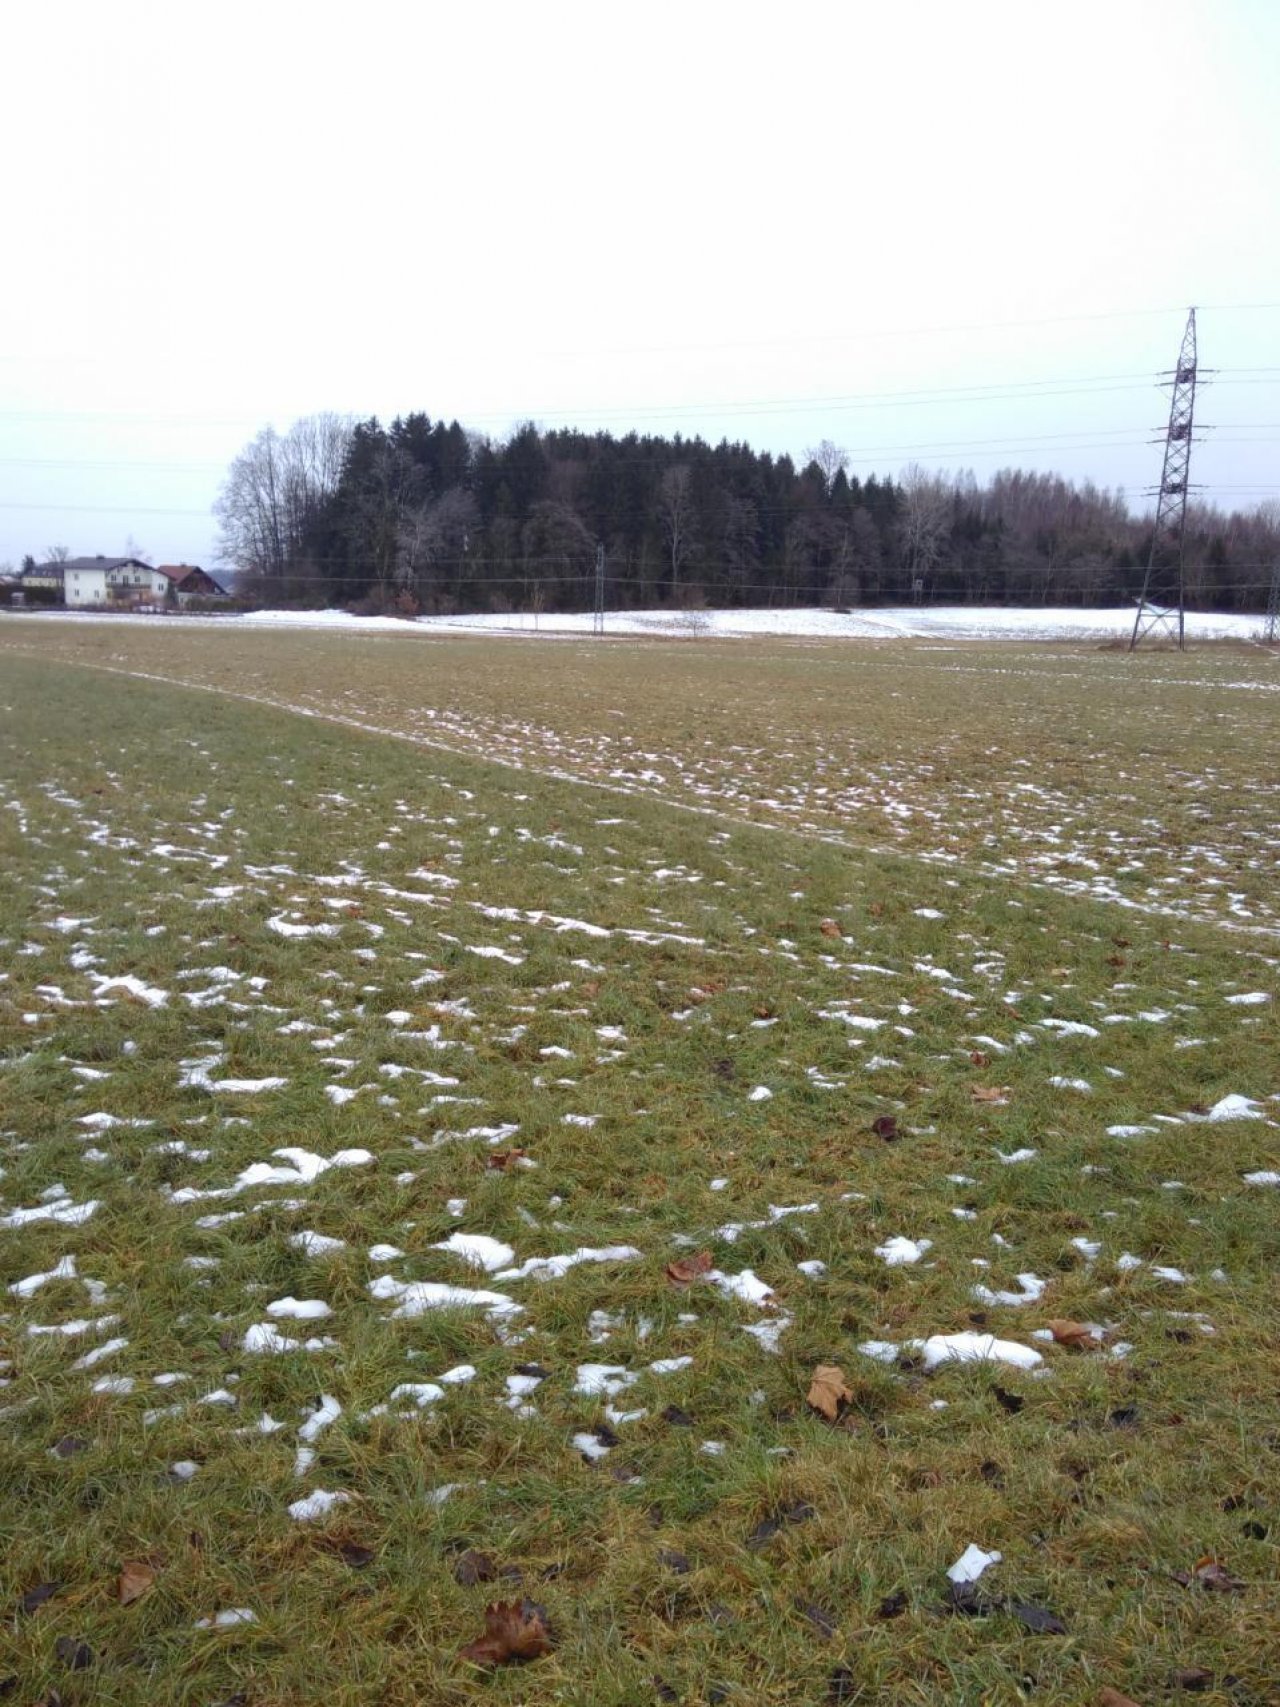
<point>316,1505</point>
<point>416,1297</point>
<point>478,1249</point>
<point>898,1250</point>
<point>971,1564</point>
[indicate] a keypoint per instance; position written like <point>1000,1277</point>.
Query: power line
<point>1001,391</point>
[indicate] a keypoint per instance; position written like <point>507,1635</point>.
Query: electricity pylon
<point>1161,607</point>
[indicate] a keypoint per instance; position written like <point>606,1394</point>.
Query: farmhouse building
<point>189,582</point>
<point>44,579</point>
<point>120,583</point>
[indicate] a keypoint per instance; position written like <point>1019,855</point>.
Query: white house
<point>98,581</point>
<point>132,583</point>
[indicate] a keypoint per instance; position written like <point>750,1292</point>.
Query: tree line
<point>423,516</point>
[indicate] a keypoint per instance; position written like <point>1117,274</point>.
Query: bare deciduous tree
<point>675,512</point>
<point>273,489</point>
<point>831,459</point>
<point>926,516</point>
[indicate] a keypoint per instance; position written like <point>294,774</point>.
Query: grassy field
<point>318,1047</point>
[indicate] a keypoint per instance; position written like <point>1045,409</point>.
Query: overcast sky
<point>724,219</point>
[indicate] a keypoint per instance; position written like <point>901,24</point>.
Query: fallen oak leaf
<point>989,1093</point>
<point>828,1391</point>
<point>685,1270</point>
<point>979,1058</point>
<point>1077,1336</point>
<point>830,928</point>
<point>513,1630</point>
<point>134,1581</point>
<point>1109,1697</point>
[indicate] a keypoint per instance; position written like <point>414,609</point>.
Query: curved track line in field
<point>717,814</point>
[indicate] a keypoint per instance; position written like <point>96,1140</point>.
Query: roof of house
<point>178,572</point>
<point>80,563</point>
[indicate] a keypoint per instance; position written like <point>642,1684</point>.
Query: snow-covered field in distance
<point>898,622</point>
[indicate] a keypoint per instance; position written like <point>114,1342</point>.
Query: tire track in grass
<point>1071,891</point>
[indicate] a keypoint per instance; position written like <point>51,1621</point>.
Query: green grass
<point>114,793</point>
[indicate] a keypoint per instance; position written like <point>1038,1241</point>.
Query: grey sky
<point>722,218</point>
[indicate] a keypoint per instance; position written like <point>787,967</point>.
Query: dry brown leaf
<point>513,1630</point>
<point>1211,1574</point>
<point>828,1390</point>
<point>979,1058</point>
<point>685,1270</point>
<point>1113,1698</point>
<point>1073,1334</point>
<point>501,1160</point>
<point>989,1093</point>
<point>829,927</point>
<point>135,1579</point>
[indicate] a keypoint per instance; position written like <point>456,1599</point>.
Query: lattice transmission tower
<point>1161,608</point>
<point>1272,630</point>
<point>597,618</point>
